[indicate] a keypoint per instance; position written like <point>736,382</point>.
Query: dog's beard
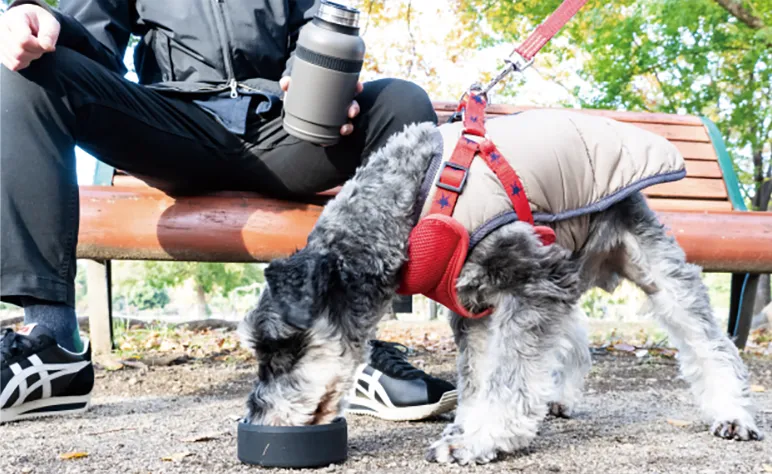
<point>312,389</point>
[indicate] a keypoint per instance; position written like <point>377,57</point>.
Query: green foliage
<point>676,56</point>
<point>212,278</point>
<point>145,297</point>
<point>146,285</point>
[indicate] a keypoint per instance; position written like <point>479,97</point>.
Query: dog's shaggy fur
<point>321,305</point>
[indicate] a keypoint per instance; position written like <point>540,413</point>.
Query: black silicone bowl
<point>293,446</point>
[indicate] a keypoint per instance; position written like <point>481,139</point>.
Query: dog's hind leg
<point>709,361</point>
<point>572,356</point>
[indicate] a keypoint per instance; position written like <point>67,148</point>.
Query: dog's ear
<point>299,286</point>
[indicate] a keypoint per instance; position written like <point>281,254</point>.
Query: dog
<point>529,357</point>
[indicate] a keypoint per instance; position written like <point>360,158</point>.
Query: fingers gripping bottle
<point>328,59</point>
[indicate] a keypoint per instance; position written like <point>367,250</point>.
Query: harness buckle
<point>449,187</point>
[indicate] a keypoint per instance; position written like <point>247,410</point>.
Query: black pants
<point>65,99</point>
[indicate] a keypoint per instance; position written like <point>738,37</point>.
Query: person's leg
<point>277,163</point>
<point>63,100</point>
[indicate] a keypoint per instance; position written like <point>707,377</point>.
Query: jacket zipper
<point>225,46</point>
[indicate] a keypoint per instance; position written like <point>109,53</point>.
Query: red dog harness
<point>438,245</point>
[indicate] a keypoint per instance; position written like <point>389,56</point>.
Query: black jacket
<point>193,46</point>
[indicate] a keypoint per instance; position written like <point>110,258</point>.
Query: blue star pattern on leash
<point>495,156</point>
<point>473,118</point>
<point>515,190</point>
<point>443,201</point>
<point>477,99</point>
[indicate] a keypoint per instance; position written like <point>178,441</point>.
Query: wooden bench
<point>124,219</point>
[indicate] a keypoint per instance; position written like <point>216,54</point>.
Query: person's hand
<point>353,109</point>
<point>27,32</point>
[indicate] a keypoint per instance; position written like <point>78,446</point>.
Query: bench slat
<point>670,204</point>
<point>247,228</point>
<point>696,151</point>
<point>448,108</point>
<point>683,133</point>
<point>698,188</point>
<point>703,169</point>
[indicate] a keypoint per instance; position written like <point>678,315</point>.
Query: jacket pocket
<point>160,45</point>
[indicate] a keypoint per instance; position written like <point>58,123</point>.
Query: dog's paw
<point>449,451</point>
<point>559,410</point>
<point>454,447</point>
<point>736,430</point>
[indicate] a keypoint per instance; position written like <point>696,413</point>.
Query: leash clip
<point>519,63</point>
<point>515,62</point>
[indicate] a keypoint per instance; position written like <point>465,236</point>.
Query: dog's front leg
<point>504,384</point>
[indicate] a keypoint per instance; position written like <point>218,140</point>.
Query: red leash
<point>522,56</point>
<point>549,28</point>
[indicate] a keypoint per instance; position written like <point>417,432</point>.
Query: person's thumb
<point>48,31</point>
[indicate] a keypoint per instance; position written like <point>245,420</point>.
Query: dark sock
<point>58,318</point>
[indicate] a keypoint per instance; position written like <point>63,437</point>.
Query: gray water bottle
<point>328,59</point>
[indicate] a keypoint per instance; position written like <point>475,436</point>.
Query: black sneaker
<point>40,378</point>
<point>392,389</point>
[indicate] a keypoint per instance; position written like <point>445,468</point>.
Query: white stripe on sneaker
<point>16,369</point>
<point>44,380</point>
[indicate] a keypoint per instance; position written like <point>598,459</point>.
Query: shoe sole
<point>361,406</point>
<point>55,406</point>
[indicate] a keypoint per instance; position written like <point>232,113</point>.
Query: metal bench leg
<point>744,286</point>
<point>100,306</point>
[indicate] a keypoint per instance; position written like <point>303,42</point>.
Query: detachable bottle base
<point>293,446</point>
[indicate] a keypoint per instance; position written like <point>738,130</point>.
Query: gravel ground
<point>142,415</point>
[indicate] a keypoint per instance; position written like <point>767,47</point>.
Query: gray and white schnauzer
<point>320,306</point>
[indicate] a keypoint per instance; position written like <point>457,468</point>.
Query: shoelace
<point>12,344</point>
<point>391,358</point>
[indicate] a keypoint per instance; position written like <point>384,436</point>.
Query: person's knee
<point>42,76</point>
<point>404,102</point>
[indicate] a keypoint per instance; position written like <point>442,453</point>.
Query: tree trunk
<point>763,186</point>
<point>202,308</point>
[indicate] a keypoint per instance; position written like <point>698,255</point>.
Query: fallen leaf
<point>757,388</point>
<point>177,457</point>
<point>624,347</point>
<point>203,437</point>
<point>679,423</point>
<point>767,467</point>
<point>108,363</point>
<point>73,455</point>
<point>27,470</point>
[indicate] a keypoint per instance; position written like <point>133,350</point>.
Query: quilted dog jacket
<point>571,165</point>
